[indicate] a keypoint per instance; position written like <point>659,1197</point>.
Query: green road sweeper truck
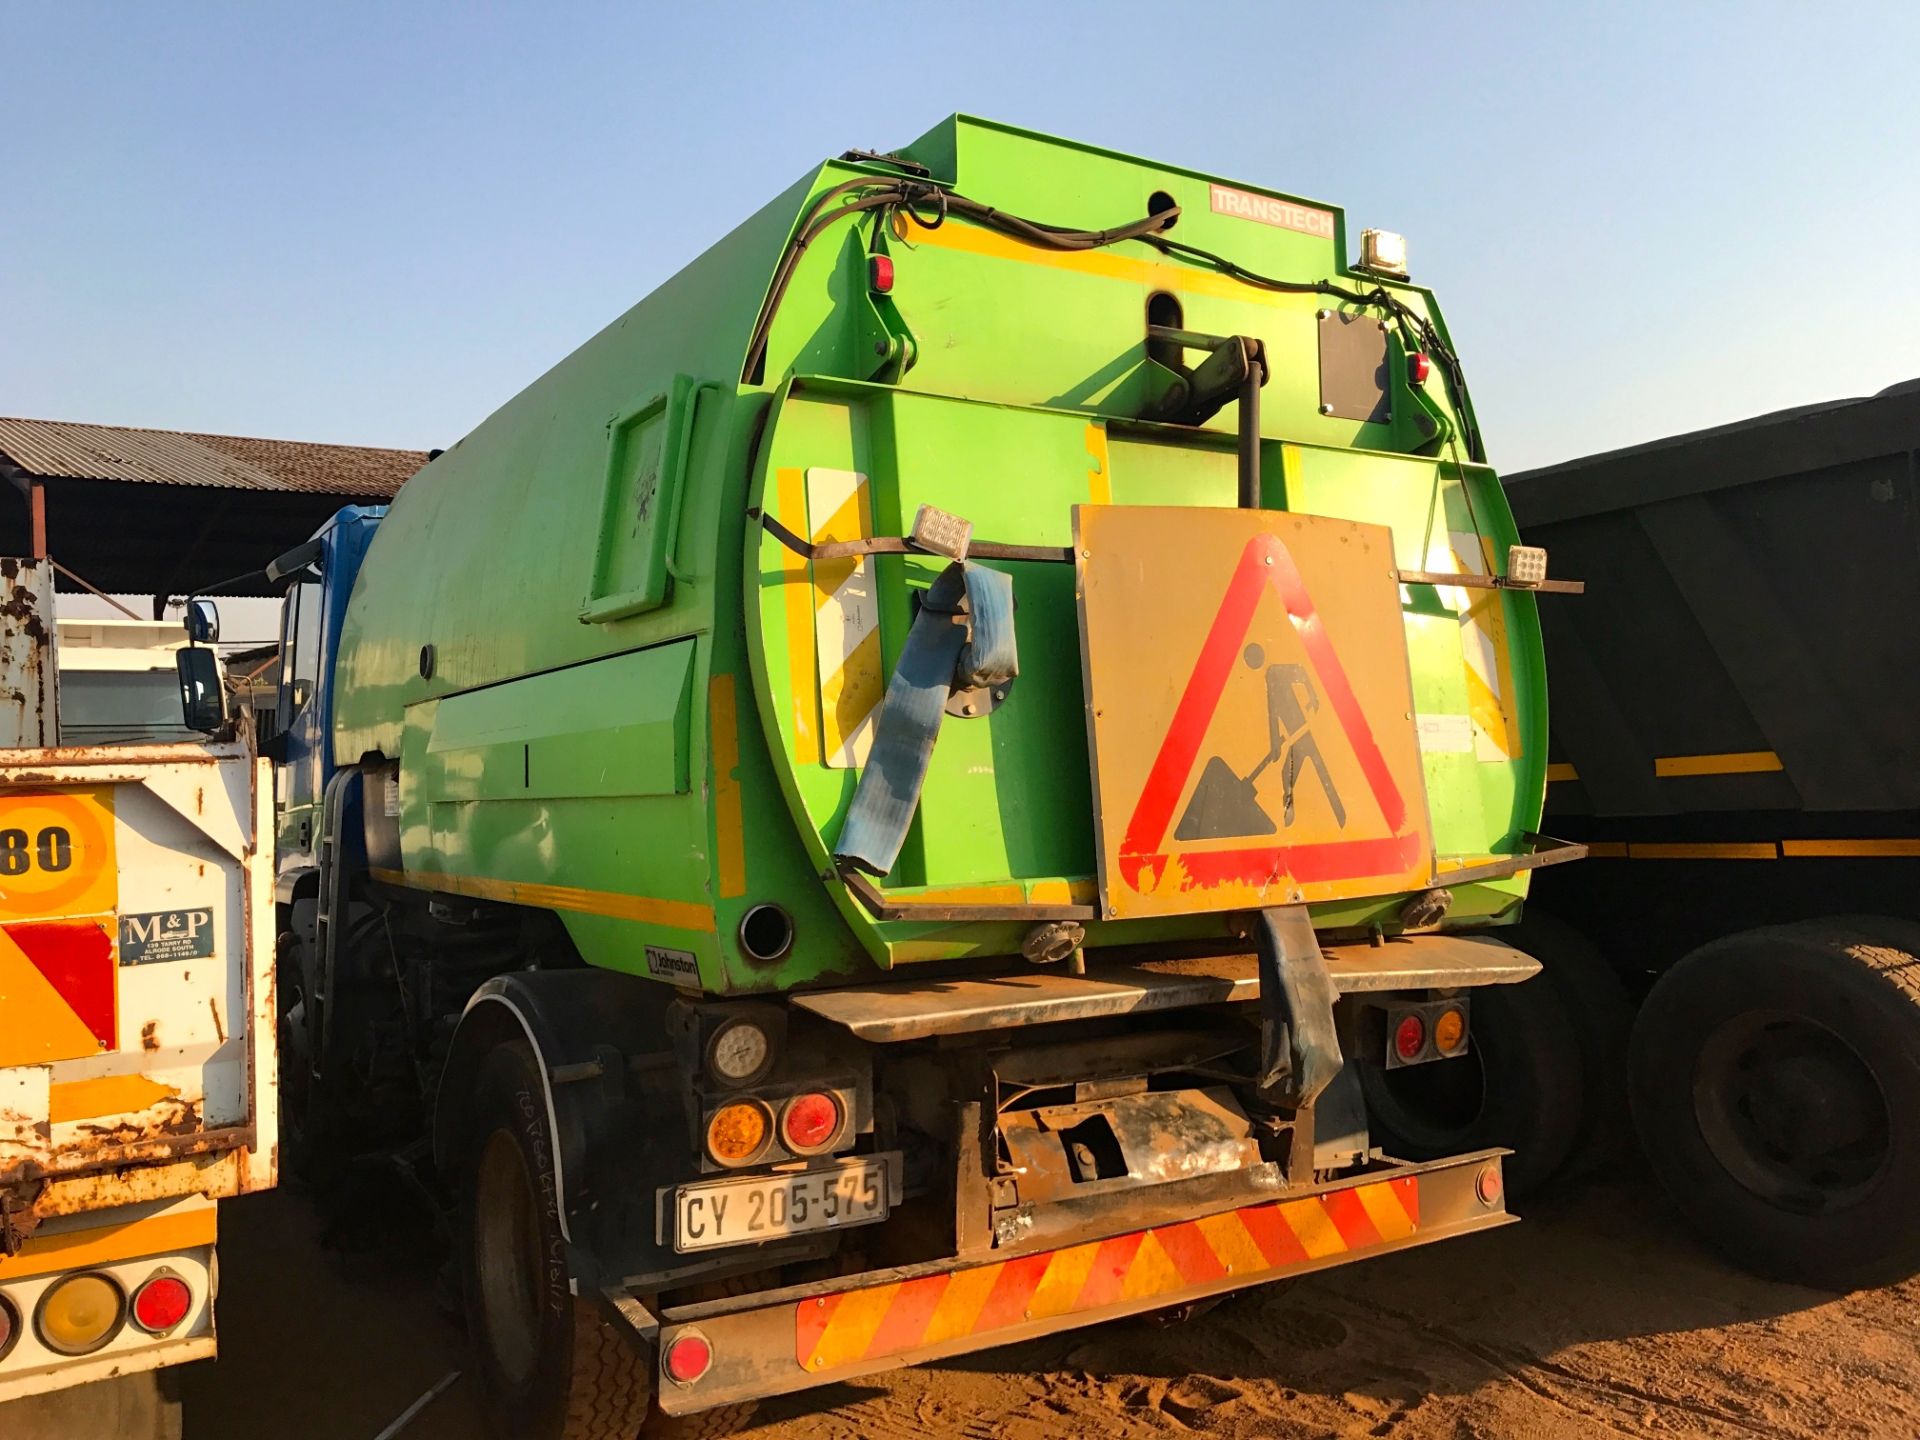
<point>906,795</point>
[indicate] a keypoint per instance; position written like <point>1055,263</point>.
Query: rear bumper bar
<point>911,1009</point>
<point>781,1341</point>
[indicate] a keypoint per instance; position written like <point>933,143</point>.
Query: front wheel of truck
<point>1775,1079</point>
<point>555,1365</point>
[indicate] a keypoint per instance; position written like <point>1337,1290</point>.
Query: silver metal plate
<point>908,1010</point>
<point>768,1207</point>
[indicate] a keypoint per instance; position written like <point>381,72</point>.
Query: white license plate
<point>766,1207</point>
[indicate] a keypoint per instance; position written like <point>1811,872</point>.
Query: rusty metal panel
<point>29,694</point>
<point>1154,1136</point>
<point>1250,710</point>
<point>136,1008</point>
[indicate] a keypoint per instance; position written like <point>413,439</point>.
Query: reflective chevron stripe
<point>1254,1244</point>
<point>846,617</point>
<point>1483,644</point>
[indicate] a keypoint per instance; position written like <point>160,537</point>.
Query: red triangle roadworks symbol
<point>1264,564</point>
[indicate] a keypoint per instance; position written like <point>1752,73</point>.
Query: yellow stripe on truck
<point>1743,762</point>
<point>108,1095</point>
<point>167,1234</point>
<point>674,914</point>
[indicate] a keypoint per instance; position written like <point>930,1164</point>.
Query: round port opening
<point>1159,202</point>
<point>766,933</point>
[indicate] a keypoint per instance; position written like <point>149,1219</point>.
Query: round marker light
<point>9,1326</point>
<point>1489,1185</point>
<point>737,1132</point>
<point>739,1052</point>
<point>1418,367</point>
<point>1450,1032</point>
<point>880,274</point>
<point>80,1314</point>
<point>810,1122</point>
<point>1410,1036</point>
<point>161,1304</point>
<point>688,1357</point>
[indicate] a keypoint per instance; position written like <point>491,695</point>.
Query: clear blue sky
<point>373,223</point>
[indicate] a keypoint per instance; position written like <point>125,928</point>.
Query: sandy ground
<point>1597,1317</point>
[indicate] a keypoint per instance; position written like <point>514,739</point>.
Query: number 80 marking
<point>51,850</point>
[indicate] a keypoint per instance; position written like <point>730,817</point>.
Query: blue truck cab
<point>320,575</point>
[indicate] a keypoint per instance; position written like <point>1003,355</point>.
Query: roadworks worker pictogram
<point>1225,805</point>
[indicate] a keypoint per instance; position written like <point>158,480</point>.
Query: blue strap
<point>962,637</point>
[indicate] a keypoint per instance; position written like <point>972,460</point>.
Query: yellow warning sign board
<point>1250,710</point>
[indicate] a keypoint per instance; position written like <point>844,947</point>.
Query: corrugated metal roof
<point>62,450</point>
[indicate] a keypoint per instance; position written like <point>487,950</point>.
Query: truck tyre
<point>1517,1086</point>
<point>1776,1087</point>
<point>555,1366</point>
<point>1601,1018</point>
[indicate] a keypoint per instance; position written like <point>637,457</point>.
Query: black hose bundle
<point>921,199</point>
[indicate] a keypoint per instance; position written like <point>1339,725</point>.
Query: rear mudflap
<point>779,1341</point>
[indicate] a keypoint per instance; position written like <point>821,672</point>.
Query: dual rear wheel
<point>1774,1079</point>
<point>1776,1087</point>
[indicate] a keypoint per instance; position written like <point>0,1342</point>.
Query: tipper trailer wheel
<point>555,1366</point>
<point>1775,1081</point>
<point>1518,1085</point>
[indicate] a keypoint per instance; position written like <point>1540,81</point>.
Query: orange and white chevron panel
<point>1257,1243</point>
<point>846,617</point>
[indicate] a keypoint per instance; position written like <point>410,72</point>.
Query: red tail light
<point>9,1325</point>
<point>810,1122</point>
<point>1418,367</point>
<point>880,274</point>
<point>688,1357</point>
<point>161,1304</point>
<point>1488,1185</point>
<point>1410,1036</point>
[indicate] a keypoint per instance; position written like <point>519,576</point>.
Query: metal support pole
<point>1256,376</point>
<point>37,503</point>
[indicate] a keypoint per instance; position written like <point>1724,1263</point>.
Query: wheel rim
<point>507,1256</point>
<point>1792,1112</point>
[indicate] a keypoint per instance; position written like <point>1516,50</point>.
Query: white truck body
<point>138,1073</point>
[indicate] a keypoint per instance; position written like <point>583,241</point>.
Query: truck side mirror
<point>202,621</point>
<point>203,699</point>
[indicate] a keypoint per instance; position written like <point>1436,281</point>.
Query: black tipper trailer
<point>1736,734</point>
